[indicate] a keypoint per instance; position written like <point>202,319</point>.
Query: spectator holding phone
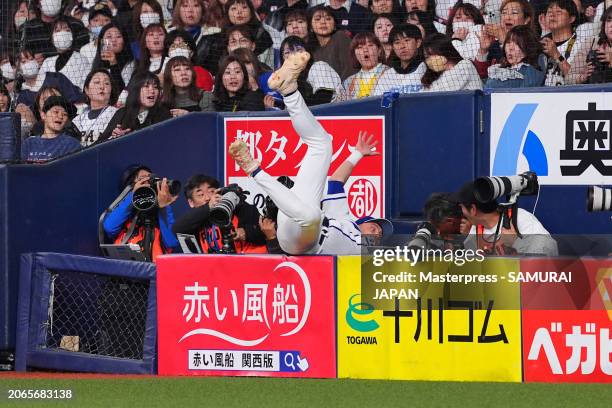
<point>600,58</point>
<point>114,54</point>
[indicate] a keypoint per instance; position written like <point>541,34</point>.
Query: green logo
<point>360,308</point>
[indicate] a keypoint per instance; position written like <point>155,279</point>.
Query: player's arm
<point>364,147</point>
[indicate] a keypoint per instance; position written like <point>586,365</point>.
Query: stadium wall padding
<point>435,142</point>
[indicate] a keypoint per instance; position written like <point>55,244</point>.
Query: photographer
<point>445,215</point>
<point>203,194</point>
<point>485,230</point>
<point>152,229</point>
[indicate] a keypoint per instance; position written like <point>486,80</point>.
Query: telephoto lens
<point>487,189</point>
<point>222,213</point>
<point>599,199</point>
<point>422,237</point>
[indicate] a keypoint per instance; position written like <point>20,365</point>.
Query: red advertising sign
<point>571,340</point>
<point>274,142</point>
<point>246,315</point>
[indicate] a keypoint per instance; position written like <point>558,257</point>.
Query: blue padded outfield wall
<point>434,141</point>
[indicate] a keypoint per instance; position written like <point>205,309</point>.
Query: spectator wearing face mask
<point>7,71</point>
<point>179,43</point>
<point>194,18</point>
<point>146,12</point>
<point>99,16</point>
<point>11,32</point>
<point>34,80</point>
<point>446,70</point>
<point>38,31</point>
<point>68,62</point>
<point>464,27</point>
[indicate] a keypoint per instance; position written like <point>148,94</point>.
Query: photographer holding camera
<point>142,214</point>
<point>501,229</point>
<point>220,218</point>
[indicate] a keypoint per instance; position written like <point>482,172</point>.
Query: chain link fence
<point>96,314</point>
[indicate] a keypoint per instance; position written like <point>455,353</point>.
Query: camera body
<point>223,212</point>
<point>145,198</point>
<point>423,236</point>
<point>270,209</point>
<point>593,59</point>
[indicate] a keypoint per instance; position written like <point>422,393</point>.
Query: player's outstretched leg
<point>311,179</point>
<point>298,223</point>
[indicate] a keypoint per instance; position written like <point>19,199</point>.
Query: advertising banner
<point>567,326</point>
<point>246,315</point>
<point>473,342</point>
<point>278,147</point>
<point>564,137</point>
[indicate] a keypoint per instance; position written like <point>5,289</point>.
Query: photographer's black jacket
<point>197,219</point>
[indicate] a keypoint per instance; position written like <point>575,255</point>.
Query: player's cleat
<point>284,79</point>
<point>239,151</point>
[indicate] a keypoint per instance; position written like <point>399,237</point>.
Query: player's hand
<point>367,147</point>
<point>164,198</point>
<point>268,227</point>
<point>239,234</point>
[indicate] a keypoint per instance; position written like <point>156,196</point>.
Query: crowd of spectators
<point>116,66</point>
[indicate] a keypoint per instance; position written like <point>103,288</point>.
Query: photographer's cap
<point>385,224</point>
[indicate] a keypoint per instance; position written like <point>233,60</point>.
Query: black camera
<point>270,209</point>
<point>423,236</point>
<point>599,199</point>
<point>487,189</point>
<point>223,212</point>
<point>145,198</point>
<point>593,59</point>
